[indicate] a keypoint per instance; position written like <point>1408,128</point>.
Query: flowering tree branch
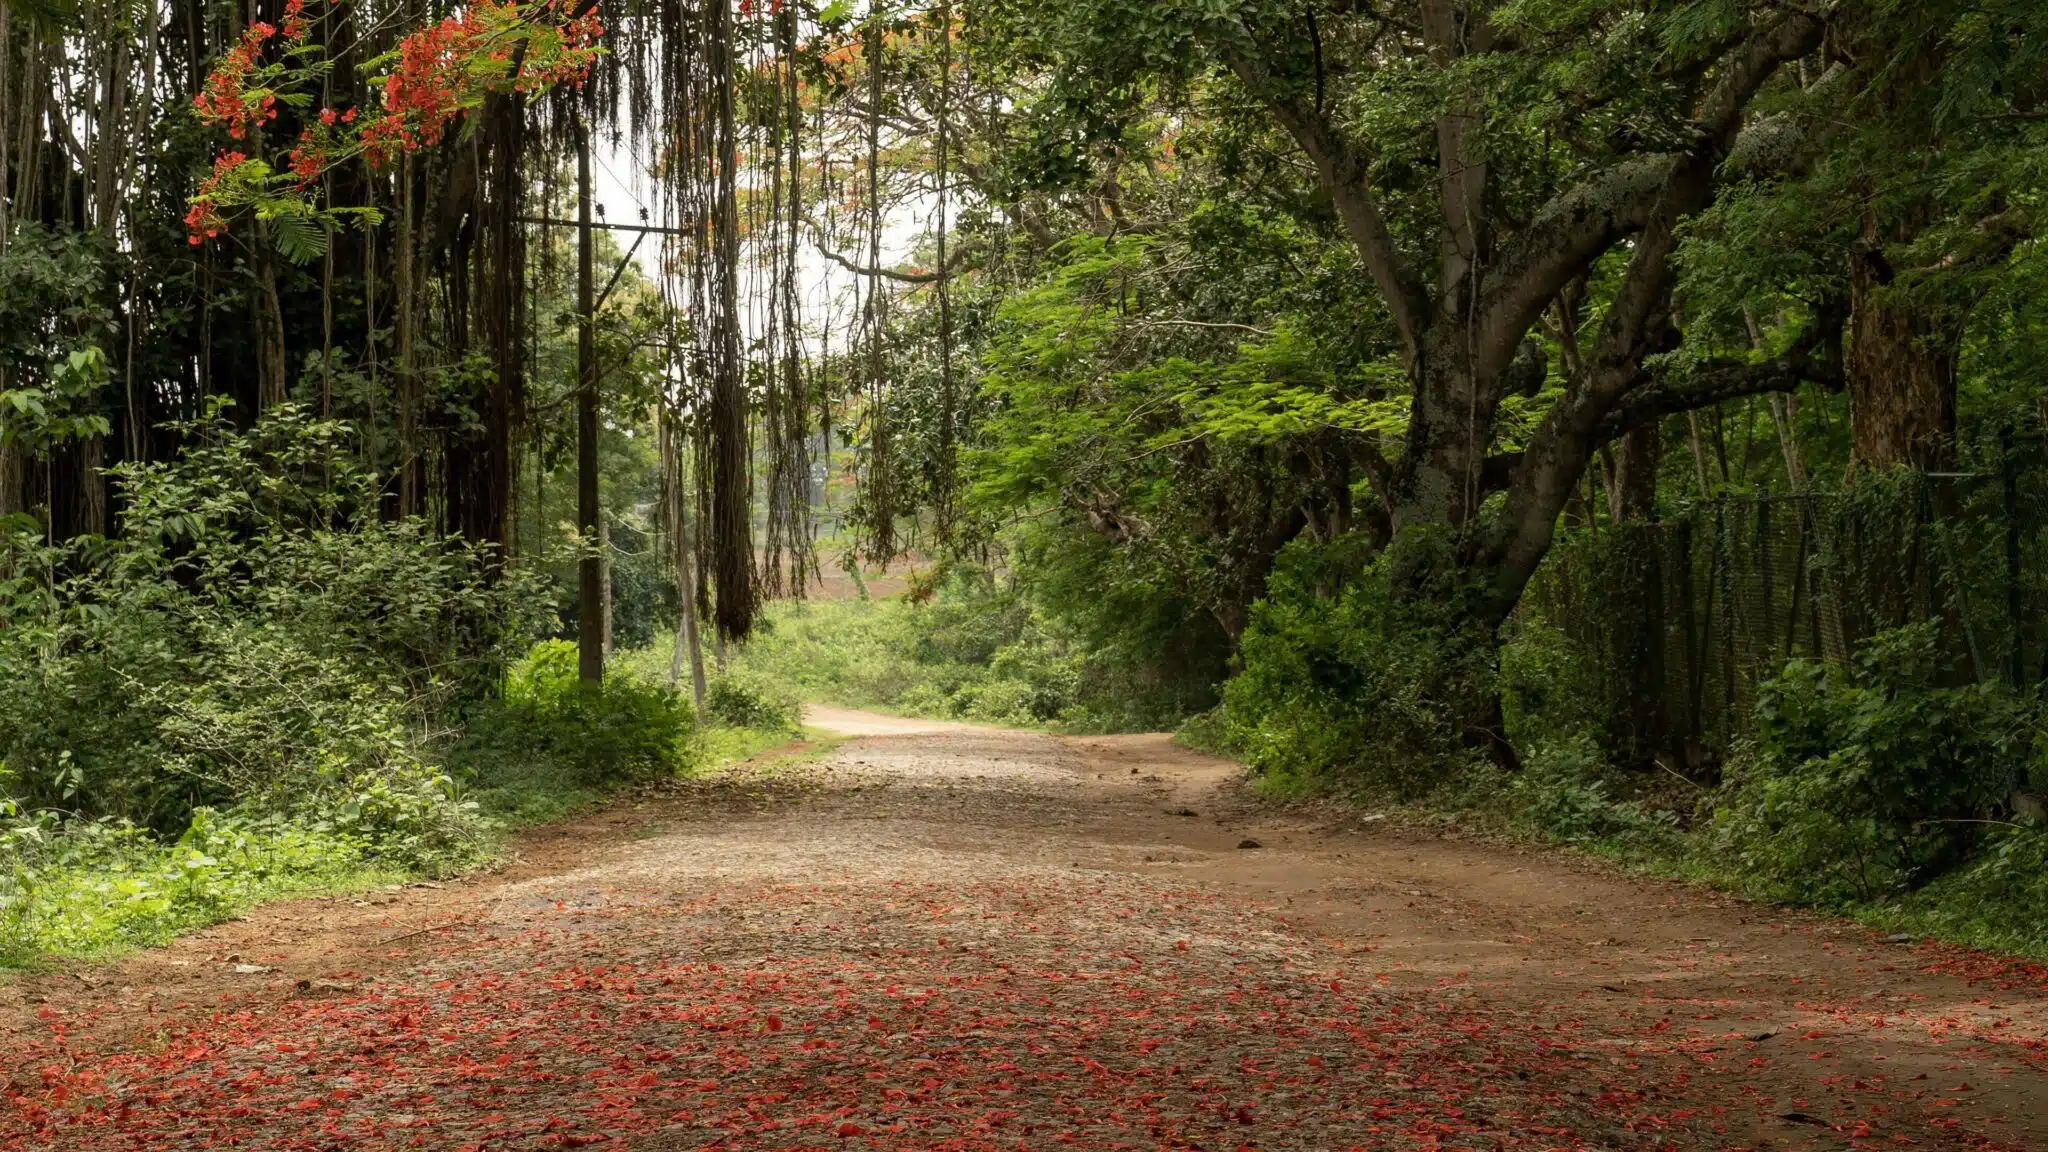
<point>434,78</point>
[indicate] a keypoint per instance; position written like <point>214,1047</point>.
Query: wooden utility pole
<point>590,572</point>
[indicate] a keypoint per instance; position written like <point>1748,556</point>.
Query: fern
<point>299,238</point>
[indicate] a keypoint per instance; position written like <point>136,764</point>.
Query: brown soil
<point>1498,997</point>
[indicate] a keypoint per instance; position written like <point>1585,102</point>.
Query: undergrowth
<point>265,686</point>
<point>967,647</point>
<point>89,886</point>
<point>1890,789</point>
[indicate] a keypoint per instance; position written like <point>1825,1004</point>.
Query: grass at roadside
<point>105,889</point>
<point>724,745</point>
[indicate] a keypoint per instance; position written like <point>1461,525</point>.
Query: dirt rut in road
<point>943,936</point>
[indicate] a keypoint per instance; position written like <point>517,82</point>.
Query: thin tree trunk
<point>1633,495</point>
<point>590,607</point>
<point>947,399</point>
<point>409,475</point>
<point>270,369</point>
<point>1785,414</point>
<point>11,459</point>
<point>687,638</point>
<point>604,579</point>
<point>13,475</point>
<point>1699,451</point>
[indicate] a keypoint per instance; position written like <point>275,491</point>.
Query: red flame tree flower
<point>433,79</point>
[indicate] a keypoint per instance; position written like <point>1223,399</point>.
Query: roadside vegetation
<point>962,646</point>
<point>264,689</point>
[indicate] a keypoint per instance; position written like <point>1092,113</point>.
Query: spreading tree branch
<point>1560,243</point>
<point>956,263</point>
<point>1646,197</point>
<point>1646,287</point>
<point>1344,171</point>
<point>1712,382</point>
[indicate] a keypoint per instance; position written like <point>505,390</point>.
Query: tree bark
<point>604,580</point>
<point>272,385</point>
<point>688,640</point>
<point>411,477</point>
<point>13,475</point>
<point>1637,583</point>
<point>731,526</point>
<point>1901,372</point>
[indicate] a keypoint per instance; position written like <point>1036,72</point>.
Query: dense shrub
<point>258,635</point>
<point>1150,651</point>
<point>1343,688</point>
<point>629,728</point>
<point>1865,781</point>
<point>974,649</point>
<point>1565,792</point>
<point>738,701</point>
<point>241,696</point>
<point>1546,687</point>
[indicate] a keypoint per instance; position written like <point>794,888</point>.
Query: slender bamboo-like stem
<point>590,571</point>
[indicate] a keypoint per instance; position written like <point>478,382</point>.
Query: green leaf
<point>298,239</point>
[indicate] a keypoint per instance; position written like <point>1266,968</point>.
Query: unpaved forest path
<point>941,936</point>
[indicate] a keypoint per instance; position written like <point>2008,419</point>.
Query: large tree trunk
<point>1449,430</point>
<point>1901,371</point>
<point>1437,586</point>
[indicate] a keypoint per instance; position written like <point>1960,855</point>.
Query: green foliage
<point>85,887</point>
<point>1158,459</point>
<point>1345,686</point>
<point>1565,793</point>
<point>1545,685</point>
<point>977,650</point>
<point>743,702</point>
<point>1993,901</point>
<point>629,728</point>
<point>236,699</point>
<point>258,635</point>
<point>415,820</point>
<point>53,316</point>
<point>1864,783</point>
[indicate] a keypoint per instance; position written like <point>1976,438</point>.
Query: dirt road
<point>946,937</point>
